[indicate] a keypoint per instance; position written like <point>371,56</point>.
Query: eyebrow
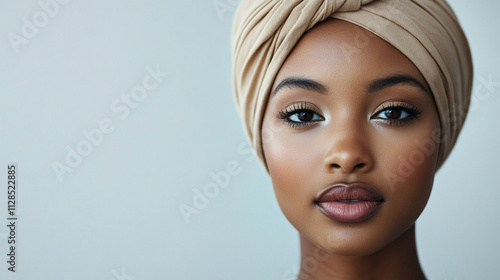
<point>377,85</point>
<point>302,83</point>
<point>393,80</point>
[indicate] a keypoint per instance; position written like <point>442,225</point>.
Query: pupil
<point>393,113</point>
<point>305,116</point>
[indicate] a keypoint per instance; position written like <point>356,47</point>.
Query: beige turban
<point>426,31</point>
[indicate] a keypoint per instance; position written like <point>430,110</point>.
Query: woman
<point>352,107</point>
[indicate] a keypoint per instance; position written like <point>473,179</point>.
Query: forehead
<point>336,49</point>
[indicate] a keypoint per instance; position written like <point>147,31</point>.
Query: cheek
<point>408,170</point>
<point>409,159</point>
<point>289,167</point>
<point>292,163</point>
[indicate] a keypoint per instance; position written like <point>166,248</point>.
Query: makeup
<point>349,203</point>
<point>339,131</point>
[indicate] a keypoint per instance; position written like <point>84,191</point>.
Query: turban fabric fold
<point>425,31</point>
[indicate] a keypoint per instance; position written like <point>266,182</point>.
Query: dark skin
<point>341,113</point>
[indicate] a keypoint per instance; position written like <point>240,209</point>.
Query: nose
<point>349,153</point>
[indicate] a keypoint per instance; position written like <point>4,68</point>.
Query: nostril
<point>335,165</point>
<point>360,165</point>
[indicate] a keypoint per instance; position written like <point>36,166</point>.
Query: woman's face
<point>350,137</point>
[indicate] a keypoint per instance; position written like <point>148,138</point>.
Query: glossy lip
<point>349,203</point>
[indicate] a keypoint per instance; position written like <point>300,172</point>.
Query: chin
<point>349,247</point>
<point>354,239</point>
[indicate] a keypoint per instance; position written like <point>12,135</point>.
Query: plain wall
<point>114,213</point>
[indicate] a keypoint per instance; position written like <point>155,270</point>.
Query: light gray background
<point>116,215</point>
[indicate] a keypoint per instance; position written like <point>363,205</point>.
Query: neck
<point>398,260</point>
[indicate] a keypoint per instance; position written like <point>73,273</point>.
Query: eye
<point>393,114</point>
<point>299,115</point>
<point>304,116</point>
<point>397,114</point>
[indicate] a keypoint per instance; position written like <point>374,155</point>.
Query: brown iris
<point>305,116</point>
<point>393,113</point>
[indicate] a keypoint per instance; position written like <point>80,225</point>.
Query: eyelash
<point>412,111</point>
<point>295,109</point>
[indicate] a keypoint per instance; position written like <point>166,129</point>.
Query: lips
<point>349,203</point>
